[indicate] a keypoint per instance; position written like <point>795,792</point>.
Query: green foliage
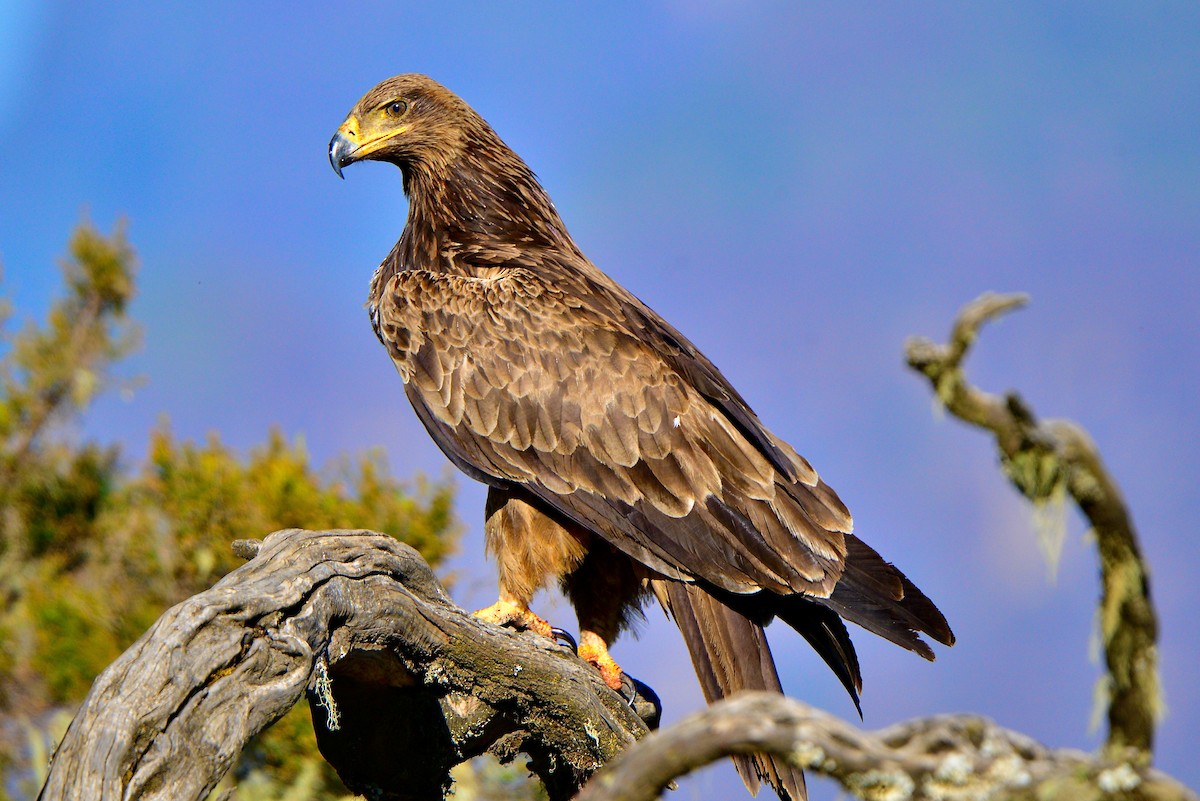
<point>209,497</point>
<point>485,779</point>
<point>56,370</point>
<point>92,552</point>
<point>283,763</point>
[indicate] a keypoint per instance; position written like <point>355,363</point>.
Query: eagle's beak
<point>340,152</point>
<point>346,145</point>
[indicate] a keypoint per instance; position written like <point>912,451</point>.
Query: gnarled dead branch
<point>931,759</point>
<point>1045,457</point>
<point>403,684</point>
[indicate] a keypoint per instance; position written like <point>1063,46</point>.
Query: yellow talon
<point>511,613</point>
<point>593,650</point>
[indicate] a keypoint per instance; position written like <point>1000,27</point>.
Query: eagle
<point>620,462</point>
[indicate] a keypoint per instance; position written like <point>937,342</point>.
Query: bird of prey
<point>620,462</point>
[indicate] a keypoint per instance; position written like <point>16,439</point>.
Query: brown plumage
<point>620,460</point>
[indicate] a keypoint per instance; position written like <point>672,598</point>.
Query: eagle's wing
<point>520,382</point>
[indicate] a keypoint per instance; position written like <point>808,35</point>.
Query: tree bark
<point>403,684</point>
<point>931,759</point>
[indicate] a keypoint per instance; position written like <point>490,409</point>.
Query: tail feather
<point>863,596</point>
<point>725,637</point>
<point>827,635</point>
<point>730,654</point>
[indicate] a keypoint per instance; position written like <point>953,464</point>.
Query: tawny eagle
<point>620,461</point>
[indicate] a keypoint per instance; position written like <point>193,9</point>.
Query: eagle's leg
<point>530,549</point>
<point>606,591</point>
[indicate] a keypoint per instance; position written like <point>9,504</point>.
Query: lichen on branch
<point>1045,460</point>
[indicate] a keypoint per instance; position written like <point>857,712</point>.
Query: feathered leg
<point>530,550</point>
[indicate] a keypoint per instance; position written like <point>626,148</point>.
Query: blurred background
<point>797,187</point>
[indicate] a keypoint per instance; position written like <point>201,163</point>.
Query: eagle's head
<point>411,121</point>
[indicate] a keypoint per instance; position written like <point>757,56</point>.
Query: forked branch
<point>1045,458</point>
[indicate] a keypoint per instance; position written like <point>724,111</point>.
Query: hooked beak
<point>351,143</point>
<point>341,151</point>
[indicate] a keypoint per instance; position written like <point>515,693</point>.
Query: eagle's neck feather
<point>481,209</point>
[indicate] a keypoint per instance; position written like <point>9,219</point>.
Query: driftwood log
<point>402,683</point>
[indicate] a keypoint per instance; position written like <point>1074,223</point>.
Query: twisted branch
<point>402,683</point>
<point>1045,457</point>
<point>931,759</point>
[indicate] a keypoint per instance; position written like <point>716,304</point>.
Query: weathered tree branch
<point>403,684</point>
<point>932,759</point>
<point>1042,458</point>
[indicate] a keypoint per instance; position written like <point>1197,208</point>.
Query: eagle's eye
<point>396,108</point>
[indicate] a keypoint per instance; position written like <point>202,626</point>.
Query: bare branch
<point>403,683</point>
<point>945,757</point>
<point>1041,458</point>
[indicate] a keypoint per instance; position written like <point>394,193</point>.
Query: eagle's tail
<point>730,654</point>
<point>725,637</point>
<point>874,594</point>
<point>870,592</point>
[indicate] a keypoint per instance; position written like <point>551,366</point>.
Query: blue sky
<point>798,187</point>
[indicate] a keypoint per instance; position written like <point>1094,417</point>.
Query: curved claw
<point>629,690</point>
<point>564,636</point>
<point>642,700</point>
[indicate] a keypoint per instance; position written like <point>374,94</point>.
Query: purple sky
<point>797,190</point>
